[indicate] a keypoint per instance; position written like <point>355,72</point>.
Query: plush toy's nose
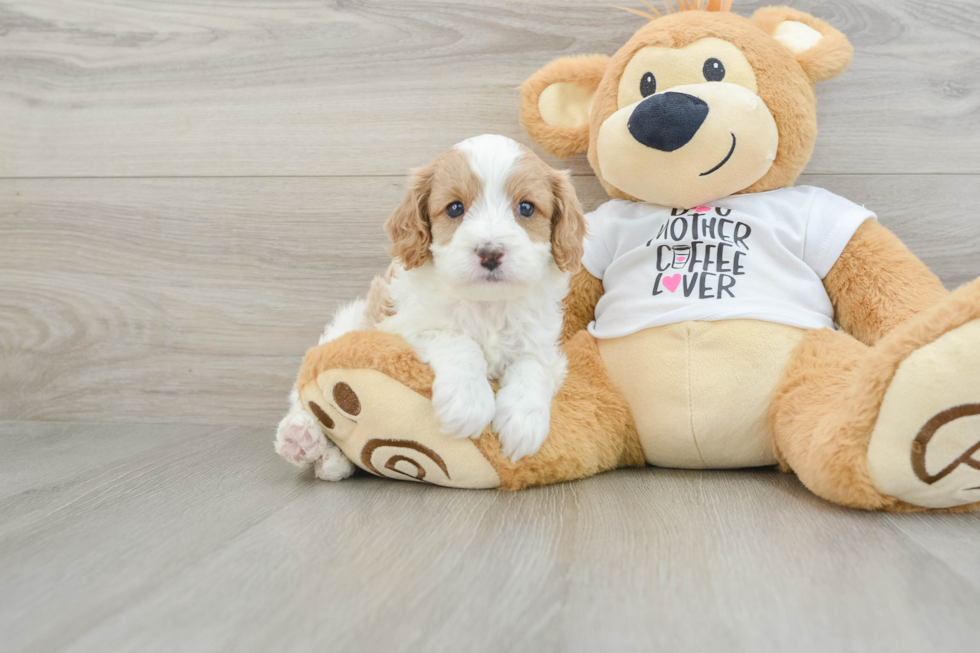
<point>667,121</point>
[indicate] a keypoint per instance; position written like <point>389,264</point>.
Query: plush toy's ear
<point>822,51</point>
<point>556,102</point>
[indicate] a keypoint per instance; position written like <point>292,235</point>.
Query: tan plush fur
<point>877,284</point>
<point>827,59</point>
<point>560,141</point>
<point>785,83</point>
<point>583,294</point>
<point>826,407</point>
<point>376,350</point>
<point>783,86</point>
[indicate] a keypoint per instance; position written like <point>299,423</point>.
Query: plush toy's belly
<point>700,391</point>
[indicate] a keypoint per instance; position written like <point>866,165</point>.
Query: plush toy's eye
<point>526,209</point>
<point>714,70</point>
<point>648,85</point>
<point>455,209</point>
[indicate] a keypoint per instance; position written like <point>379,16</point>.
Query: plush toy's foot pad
<point>925,444</point>
<point>388,429</point>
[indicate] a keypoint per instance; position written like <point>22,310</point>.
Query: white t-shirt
<point>760,256</point>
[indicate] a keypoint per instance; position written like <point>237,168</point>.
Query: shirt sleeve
<point>596,257</point>
<point>831,222</point>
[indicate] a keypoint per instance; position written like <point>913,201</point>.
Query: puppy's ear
<point>568,228</point>
<point>409,227</point>
<point>556,103</point>
<point>822,51</point>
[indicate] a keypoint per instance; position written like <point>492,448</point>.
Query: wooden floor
<point>187,190</point>
<point>194,538</point>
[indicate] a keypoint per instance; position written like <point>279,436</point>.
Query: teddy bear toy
<point>723,317</point>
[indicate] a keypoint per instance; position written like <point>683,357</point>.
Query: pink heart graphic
<point>702,209</point>
<point>671,283</point>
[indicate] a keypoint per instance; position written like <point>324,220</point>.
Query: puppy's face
<point>491,216</point>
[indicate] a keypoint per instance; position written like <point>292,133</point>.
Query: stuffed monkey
<point>723,317</point>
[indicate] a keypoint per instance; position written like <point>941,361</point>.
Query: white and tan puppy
<point>484,244</point>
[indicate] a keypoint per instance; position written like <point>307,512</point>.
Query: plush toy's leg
<point>372,397</point>
<point>892,427</point>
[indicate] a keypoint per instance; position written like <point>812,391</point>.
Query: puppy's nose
<point>490,256</point>
<point>667,121</point>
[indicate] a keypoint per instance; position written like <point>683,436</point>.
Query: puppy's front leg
<point>523,414</point>
<point>461,394</point>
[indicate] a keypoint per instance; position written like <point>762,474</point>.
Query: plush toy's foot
<point>924,446</point>
<point>299,441</point>
<point>372,396</point>
<point>390,430</point>
<point>895,426</point>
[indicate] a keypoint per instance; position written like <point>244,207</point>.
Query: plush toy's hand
<point>878,284</point>
<point>463,403</point>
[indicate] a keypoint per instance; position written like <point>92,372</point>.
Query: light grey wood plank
<point>212,543</point>
<point>89,545</point>
<point>143,88</point>
<point>58,455</point>
<point>193,300</point>
<point>944,540</point>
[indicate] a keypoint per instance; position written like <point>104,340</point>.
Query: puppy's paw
<point>299,439</point>
<point>333,465</point>
<point>464,406</point>
<point>521,422</point>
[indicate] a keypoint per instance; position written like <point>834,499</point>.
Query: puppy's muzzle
<point>667,121</point>
<point>490,256</point>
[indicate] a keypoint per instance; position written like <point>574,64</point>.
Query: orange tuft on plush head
<point>699,104</point>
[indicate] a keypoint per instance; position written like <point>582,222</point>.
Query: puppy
<point>484,244</point>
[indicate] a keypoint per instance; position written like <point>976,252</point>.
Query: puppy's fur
<point>477,295</point>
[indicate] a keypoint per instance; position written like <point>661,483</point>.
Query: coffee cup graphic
<point>681,254</point>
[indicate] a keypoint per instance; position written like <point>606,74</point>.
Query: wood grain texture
<point>143,88</point>
<point>187,191</point>
<point>193,300</point>
<point>194,538</point>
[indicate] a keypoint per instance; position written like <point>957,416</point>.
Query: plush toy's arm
<point>583,294</point>
<point>877,284</point>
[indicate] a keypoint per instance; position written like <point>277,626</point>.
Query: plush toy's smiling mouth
<point>723,161</point>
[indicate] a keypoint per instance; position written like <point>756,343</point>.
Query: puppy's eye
<point>714,70</point>
<point>526,209</point>
<point>455,209</point>
<point>648,84</point>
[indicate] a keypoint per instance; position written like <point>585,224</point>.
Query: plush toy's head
<point>699,103</point>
